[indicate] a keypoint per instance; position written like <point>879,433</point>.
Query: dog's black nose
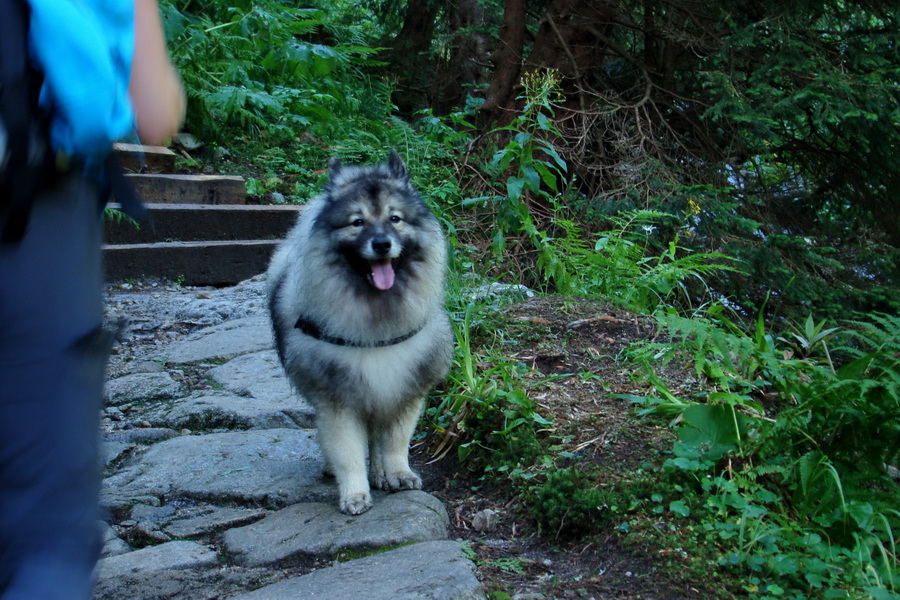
<point>381,245</point>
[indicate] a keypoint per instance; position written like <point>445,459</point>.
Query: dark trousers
<point>52,360</point>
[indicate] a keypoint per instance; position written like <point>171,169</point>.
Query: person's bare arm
<point>155,87</point>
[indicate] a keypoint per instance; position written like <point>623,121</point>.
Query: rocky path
<point>213,485</point>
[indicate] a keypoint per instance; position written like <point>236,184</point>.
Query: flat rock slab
<point>165,557</point>
<point>231,338</point>
<point>113,545</point>
<point>259,375</point>
<point>248,299</point>
<point>272,468</point>
<point>112,451</point>
<point>141,386</point>
<point>319,529</point>
<point>209,519</point>
<point>429,570</point>
<point>209,583</point>
<point>147,435</point>
<point>210,410</point>
<point>146,311</point>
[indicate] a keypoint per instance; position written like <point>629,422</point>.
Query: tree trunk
<point>406,59</point>
<point>573,37</point>
<point>418,29</point>
<point>507,59</point>
<point>464,68</point>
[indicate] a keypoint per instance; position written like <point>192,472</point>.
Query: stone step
<point>143,159</point>
<point>436,570</point>
<point>189,189</point>
<point>200,222</point>
<point>216,263</point>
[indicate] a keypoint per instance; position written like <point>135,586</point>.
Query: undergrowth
<point>783,476</point>
<point>787,455</point>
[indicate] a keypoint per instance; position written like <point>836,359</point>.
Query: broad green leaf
<point>679,508</point>
<point>514,186</point>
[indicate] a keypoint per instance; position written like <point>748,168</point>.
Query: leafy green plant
<point>114,215</point>
<point>569,501</point>
<point>854,413</point>
<point>534,175</point>
<point>805,340</point>
<point>260,72</point>
<point>537,167</point>
<point>621,266</point>
<point>484,408</point>
<point>806,477</point>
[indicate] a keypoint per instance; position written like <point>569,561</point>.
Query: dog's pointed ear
<point>334,166</point>
<point>395,164</point>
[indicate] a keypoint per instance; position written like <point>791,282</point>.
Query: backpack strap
<point>123,190</point>
<point>25,159</point>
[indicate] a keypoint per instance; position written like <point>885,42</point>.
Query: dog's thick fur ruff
<point>356,295</point>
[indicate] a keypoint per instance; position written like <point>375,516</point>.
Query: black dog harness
<point>312,330</point>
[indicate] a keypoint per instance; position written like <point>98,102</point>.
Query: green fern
<point>114,215</point>
<point>250,68</point>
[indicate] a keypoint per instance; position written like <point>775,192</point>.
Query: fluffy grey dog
<point>356,295</point>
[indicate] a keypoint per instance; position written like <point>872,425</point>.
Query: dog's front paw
<point>404,480</point>
<point>377,481</point>
<point>356,504</point>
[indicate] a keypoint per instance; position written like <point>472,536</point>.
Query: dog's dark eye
<point>395,219</point>
<point>357,222</point>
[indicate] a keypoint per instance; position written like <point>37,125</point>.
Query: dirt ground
<point>571,347</point>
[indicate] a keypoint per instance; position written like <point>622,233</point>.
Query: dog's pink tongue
<point>383,275</point>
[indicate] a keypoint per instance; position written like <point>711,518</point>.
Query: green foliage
<point>537,167</point>
<point>247,68</point>
<point>485,407</point>
<point>807,339</point>
<point>804,500</point>
<point>569,501</point>
<point>533,173</point>
<point>853,414</point>
<point>626,263</point>
<point>803,264</point>
<point>623,263</point>
<point>805,98</point>
<point>813,95</point>
<point>114,215</point>
<point>286,87</point>
<point>622,266</point>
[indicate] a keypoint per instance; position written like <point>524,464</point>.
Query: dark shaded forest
<point>778,122</point>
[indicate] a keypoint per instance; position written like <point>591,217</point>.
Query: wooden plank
<point>197,222</point>
<point>192,263</point>
<point>143,159</point>
<point>190,189</point>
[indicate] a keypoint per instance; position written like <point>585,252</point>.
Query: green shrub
<point>570,502</point>
<point>788,449</point>
<point>485,412</point>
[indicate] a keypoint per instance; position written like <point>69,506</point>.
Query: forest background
<point>730,169</point>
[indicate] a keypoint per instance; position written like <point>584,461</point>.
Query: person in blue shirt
<point>53,347</point>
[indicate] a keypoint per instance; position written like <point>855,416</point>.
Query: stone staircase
<point>201,230</point>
